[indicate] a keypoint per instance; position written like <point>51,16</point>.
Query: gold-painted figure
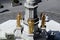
<point>18,19</point>
<point>43,21</point>
<point>31,25</point>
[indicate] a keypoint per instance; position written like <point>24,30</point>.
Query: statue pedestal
<point>17,32</point>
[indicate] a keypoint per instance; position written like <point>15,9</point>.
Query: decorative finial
<point>18,18</point>
<point>31,25</point>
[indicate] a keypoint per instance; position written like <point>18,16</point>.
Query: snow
<point>10,25</point>
<point>51,25</point>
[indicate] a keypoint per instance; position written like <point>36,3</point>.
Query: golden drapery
<point>31,25</point>
<point>43,20</point>
<point>18,18</point>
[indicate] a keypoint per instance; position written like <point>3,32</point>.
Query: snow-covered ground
<point>10,25</point>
